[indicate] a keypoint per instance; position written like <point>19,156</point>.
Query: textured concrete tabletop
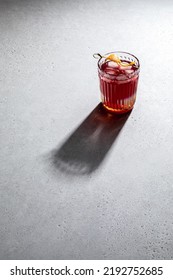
<point>75,182</point>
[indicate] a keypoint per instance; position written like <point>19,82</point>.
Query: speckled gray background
<point>77,183</point>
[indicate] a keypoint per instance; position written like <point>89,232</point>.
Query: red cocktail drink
<point>118,81</point>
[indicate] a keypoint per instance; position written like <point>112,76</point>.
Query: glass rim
<point>116,52</point>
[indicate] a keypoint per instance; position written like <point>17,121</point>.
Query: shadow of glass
<point>87,146</point>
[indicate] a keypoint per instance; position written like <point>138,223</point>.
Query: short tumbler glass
<point>118,84</point>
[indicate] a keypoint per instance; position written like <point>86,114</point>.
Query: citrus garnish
<point>115,58</point>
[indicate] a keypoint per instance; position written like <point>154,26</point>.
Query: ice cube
<point>121,77</point>
<point>125,67</point>
<point>129,71</point>
<point>112,64</point>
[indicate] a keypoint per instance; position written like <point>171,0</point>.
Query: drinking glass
<point>118,83</point>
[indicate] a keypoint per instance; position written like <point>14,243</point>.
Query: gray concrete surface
<point>77,183</point>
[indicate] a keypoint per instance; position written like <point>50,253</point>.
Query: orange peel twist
<point>115,58</point>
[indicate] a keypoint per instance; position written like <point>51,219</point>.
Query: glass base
<point>117,111</point>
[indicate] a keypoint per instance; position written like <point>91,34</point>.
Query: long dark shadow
<point>87,146</point>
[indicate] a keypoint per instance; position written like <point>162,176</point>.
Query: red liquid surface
<point>118,85</point>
